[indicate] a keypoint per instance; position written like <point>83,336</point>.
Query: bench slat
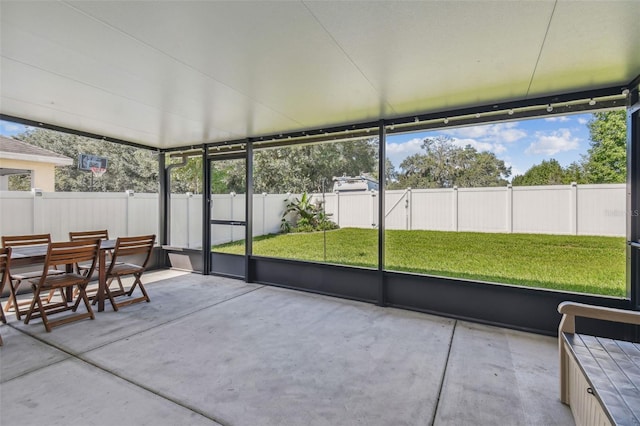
<point>613,370</point>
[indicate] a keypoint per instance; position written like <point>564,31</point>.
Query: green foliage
<point>128,167</point>
<point>607,157</point>
<point>549,172</point>
<point>444,165</point>
<point>304,215</point>
<point>226,176</point>
<point>310,168</point>
<point>19,183</point>
<point>605,162</point>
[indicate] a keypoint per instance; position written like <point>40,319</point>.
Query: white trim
<point>58,161</point>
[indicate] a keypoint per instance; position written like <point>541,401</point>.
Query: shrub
<point>306,216</point>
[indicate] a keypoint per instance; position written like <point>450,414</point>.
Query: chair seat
<point>62,280</point>
<point>34,274</point>
<point>125,269</point>
<point>85,266</point>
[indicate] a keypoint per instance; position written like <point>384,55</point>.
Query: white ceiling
<point>177,73</point>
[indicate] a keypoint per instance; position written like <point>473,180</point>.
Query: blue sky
<point>521,144</point>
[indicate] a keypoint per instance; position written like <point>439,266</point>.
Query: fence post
<point>188,230</point>
<point>130,194</point>
<point>372,209</point>
<point>509,209</point>
<point>337,208</point>
<point>455,208</point>
<point>264,211</point>
<point>573,209</point>
<point>37,200</point>
<point>233,195</point>
<point>409,207</point>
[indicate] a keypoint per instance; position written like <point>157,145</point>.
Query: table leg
<point>69,290</point>
<point>102,280</point>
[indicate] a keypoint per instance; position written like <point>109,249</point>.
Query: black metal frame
<point>504,305</point>
<point>235,266</point>
<point>382,173</point>
<point>522,308</point>
<point>633,196</point>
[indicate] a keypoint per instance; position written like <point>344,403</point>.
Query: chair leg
<point>3,317</point>
<point>43,315</point>
<point>114,305</point>
<point>13,300</point>
<point>31,307</point>
<point>119,283</point>
<point>138,282</point>
<point>82,289</point>
<point>52,292</point>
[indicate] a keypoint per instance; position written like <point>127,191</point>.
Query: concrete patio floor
<point>210,350</point>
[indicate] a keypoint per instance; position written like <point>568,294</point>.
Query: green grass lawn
<point>574,263</point>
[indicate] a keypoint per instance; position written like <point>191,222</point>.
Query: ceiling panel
<point>274,52</point>
<point>589,44</point>
<point>425,56</point>
<point>169,74</point>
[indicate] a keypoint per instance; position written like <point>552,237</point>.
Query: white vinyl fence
<point>57,213</point>
<point>570,209</point>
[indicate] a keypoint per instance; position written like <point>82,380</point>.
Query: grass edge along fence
<point>583,264</point>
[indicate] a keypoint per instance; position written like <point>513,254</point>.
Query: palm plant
<point>307,215</point>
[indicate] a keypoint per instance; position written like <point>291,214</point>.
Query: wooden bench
<point>599,377</point>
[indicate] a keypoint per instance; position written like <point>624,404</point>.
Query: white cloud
<point>560,118</point>
<point>582,121</point>
<point>490,133</point>
<point>496,148</point>
<point>407,148</point>
<point>552,143</point>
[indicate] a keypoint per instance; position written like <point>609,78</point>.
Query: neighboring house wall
<point>42,174</point>
<point>20,158</point>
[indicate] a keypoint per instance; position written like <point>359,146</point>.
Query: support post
<point>248,240</point>
<point>206,211</point>
<point>633,197</point>
<point>382,291</point>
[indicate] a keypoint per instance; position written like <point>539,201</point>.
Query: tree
<point>606,161</point>
<point>128,167</point>
<point>549,172</point>
<point>444,165</point>
<point>310,168</point>
<point>297,169</point>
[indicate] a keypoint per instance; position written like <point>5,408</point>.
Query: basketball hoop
<point>98,171</point>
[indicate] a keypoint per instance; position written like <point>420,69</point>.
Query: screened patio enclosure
<point>224,80</point>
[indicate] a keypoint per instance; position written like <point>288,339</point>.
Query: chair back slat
<point>102,234</point>
<point>129,246</point>
<point>26,240</point>
<point>5,260</point>
<point>71,252</point>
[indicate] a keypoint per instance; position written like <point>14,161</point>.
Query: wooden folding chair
<point>83,268</point>
<point>5,259</point>
<point>125,248</point>
<point>102,234</point>
<point>67,254</point>
<point>16,280</point>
